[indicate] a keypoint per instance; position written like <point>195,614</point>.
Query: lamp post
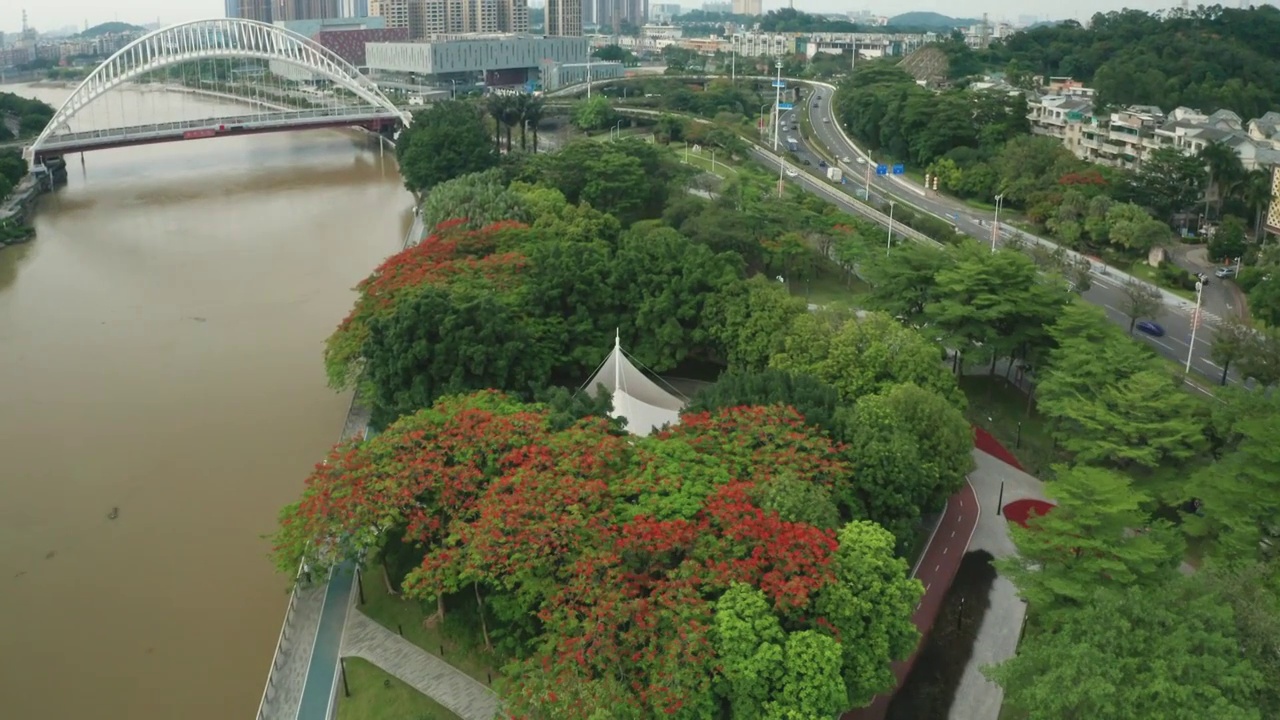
<point>782,165</point>
<point>995,226</point>
<point>616,128</point>
<point>889,243</point>
<point>588,73</point>
<point>453,89</point>
<point>733,65</point>
<point>1195,323</point>
<point>777,100</point>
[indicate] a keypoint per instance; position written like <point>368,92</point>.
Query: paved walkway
<point>288,672</point>
<point>977,698</point>
<point>937,569</point>
<point>321,687</point>
<point>430,675</point>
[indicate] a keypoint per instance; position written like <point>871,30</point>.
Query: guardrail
<point>284,627</point>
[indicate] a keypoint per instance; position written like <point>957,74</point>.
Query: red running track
<point>937,569</point>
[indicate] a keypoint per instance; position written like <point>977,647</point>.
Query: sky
<point>52,14</point>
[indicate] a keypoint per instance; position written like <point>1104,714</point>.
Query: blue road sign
<point>785,106</point>
<point>844,181</point>
<point>779,83</point>
<point>882,169</point>
<point>899,169</point>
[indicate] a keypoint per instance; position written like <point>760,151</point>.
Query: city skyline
<point>50,15</point>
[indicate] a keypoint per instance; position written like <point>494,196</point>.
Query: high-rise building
<point>307,9</point>
<point>747,7</point>
<point>428,18</point>
<point>353,9</point>
<point>564,17</point>
<point>260,10</point>
<point>395,13</point>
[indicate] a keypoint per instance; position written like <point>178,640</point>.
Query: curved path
<point>937,569</point>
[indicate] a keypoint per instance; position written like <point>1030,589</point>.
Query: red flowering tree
<point>449,254</point>
<point>603,563</point>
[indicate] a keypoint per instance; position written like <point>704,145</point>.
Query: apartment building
<point>748,7</point>
<point>1127,137</point>
<point>395,13</point>
<point>564,18</point>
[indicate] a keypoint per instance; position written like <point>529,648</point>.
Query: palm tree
<point>533,113</point>
<point>498,108</point>
<point>1224,169</point>
<point>1256,192</point>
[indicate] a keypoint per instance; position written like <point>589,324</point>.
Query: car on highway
<point>826,120</point>
<point>1225,272</point>
<point>791,173</point>
<point>1151,328</point>
<point>846,159</point>
<point>822,163</point>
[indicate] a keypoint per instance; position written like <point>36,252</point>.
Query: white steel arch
<point>211,39</point>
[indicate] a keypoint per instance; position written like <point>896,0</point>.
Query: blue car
<point>1150,328</point>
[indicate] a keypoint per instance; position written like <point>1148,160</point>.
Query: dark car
<point>822,163</point>
<point>1150,328</point>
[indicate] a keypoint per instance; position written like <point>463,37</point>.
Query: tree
<point>865,356</point>
<point>444,142</point>
<point>1098,536</point>
<point>444,341</point>
<point>1111,400</point>
<point>749,319</point>
<point>1231,340</point>
<point>1098,662</point>
<point>1257,195</point>
<point>1224,170</point>
<point>997,301</point>
<point>870,607</point>
<point>910,450</point>
<point>1241,493</point>
<point>1131,228</point>
<point>902,284</point>
<point>1261,357</point>
<point>1141,301</point>
<point>1169,182</point>
<point>480,199</point>
<point>594,114</point>
<point>1228,240</point>
<point>815,400</point>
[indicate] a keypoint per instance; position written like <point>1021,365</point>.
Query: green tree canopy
<point>445,141</point>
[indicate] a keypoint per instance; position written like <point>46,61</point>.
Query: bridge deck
<point>187,129</point>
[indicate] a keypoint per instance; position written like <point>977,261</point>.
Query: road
<point>1107,291</point>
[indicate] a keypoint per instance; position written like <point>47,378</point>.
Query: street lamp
<point>777,102</point>
<point>1195,323</point>
<point>616,128</point>
<point>889,243</point>
<point>453,89</point>
<point>995,226</point>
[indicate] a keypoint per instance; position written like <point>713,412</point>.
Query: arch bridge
<point>217,39</point>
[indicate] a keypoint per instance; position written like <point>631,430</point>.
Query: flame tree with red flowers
<point>608,570</point>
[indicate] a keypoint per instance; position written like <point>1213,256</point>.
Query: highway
<point>1107,289</point>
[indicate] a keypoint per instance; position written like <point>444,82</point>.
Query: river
<point>160,353</point>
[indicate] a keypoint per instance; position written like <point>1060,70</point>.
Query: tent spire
<point>617,359</point>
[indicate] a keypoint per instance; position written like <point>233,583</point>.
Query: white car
<point>846,159</point>
<point>791,173</point>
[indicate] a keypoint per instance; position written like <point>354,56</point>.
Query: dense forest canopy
<point>1210,58</point>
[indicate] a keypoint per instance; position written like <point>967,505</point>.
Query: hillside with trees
<point>1210,58</point>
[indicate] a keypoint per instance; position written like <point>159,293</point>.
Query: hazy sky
<point>53,14</point>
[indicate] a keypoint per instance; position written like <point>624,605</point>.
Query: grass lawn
<point>702,161</point>
<point>1143,271</point>
<point>999,407</point>
<point>458,637</point>
<point>829,289</point>
<point>376,695</point>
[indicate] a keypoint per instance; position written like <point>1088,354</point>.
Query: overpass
<point>216,39</point>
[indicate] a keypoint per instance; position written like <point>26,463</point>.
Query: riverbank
<point>16,210</point>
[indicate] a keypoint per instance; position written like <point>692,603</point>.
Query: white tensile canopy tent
<point>638,401</point>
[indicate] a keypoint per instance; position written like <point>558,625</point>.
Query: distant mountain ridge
<point>930,20</point>
<point>107,28</point>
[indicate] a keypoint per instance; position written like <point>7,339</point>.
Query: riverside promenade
<point>302,682</point>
